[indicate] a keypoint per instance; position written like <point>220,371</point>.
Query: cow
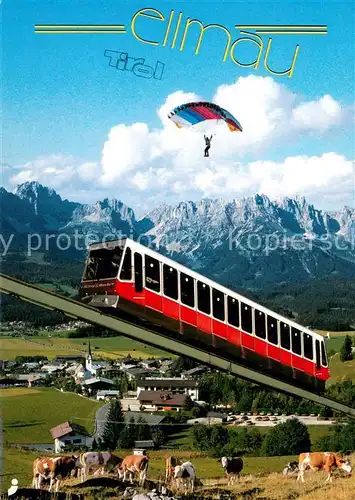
<point>232,467</point>
<point>54,469</point>
<point>185,474</point>
<point>170,464</point>
<point>290,469</point>
<point>133,464</point>
<point>322,460</point>
<point>98,461</point>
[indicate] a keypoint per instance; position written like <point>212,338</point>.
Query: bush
<point>288,438</point>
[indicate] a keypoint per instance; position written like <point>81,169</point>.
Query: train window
<point>138,272</point>
<point>203,297</point>
<point>187,290</point>
<point>272,330</point>
<point>247,320</point>
<point>170,282</point>
<point>126,270</point>
<point>285,335</point>
<point>296,341</point>
<point>307,345</point>
<point>233,311</point>
<point>152,274</point>
<point>324,356</point>
<point>260,327</point>
<point>218,304</point>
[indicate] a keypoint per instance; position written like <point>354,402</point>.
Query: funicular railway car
<point>126,278</point>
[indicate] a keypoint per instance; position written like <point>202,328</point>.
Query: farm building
<point>70,434</point>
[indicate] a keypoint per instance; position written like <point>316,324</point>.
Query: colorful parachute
<point>192,113</point>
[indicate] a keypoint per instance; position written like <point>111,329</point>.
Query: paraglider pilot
<point>208,144</point>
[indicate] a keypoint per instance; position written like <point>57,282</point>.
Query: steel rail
<point>72,308</point>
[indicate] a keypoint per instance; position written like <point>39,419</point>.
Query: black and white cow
<point>291,469</point>
<point>232,466</point>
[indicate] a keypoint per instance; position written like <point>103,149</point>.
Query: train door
<point>138,272</point>
<point>318,363</point>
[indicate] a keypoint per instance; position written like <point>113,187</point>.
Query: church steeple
<point>88,364</point>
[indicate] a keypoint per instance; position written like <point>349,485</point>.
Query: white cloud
<point>168,161</point>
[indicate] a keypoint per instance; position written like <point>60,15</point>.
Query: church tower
<point>88,364</point>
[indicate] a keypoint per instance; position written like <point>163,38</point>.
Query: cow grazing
<point>133,464</point>
<point>322,460</point>
<point>98,461</point>
<point>290,469</point>
<point>170,464</point>
<point>54,469</point>
<point>185,475</point>
<point>232,466</point>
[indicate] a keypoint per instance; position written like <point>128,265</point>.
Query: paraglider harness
<point>208,144</point>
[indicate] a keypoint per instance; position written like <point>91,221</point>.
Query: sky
<point>76,123</point>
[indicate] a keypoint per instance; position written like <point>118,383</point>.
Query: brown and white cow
<point>322,461</point>
<point>98,461</point>
<point>54,469</point>
<point>133,464</point>
<point>232,466</point>
<point>170,464</point>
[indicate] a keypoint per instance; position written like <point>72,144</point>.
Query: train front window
<point>260,328</point>
<point>324,355</point>
<point>170,282</point>
<point>308,345</point>
<point>272,330</point>
<point>296,341</point>
<point>126,269</point>
<point>103,263</point>
<point>152,274</point>
<point>187,290</point>
<point>247,320</point>
<point>285,336</point>
<point>203,297</point>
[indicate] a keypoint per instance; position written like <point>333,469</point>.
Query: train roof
<point>166,260</point>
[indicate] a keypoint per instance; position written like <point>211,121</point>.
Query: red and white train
<point>139,282</point>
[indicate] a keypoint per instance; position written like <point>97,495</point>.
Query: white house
<point>103,394</point>
<point>174,385</point>
<point>70,434</point>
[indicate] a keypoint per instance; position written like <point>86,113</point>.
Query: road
<point>100,417</point>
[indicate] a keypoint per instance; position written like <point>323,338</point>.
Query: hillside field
<point>261,478</point>
<point>29,413</point>
<point>51,346</point>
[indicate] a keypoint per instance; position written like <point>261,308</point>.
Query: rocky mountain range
<point>247,242</point>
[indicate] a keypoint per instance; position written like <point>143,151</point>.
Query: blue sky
<point>61,98</point>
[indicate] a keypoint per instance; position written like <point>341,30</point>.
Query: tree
<point>188,404</point>
<point>114,425</point>
<point>158,438</point>
<point>345,350</point>
<point>340,438</point>
<point>288,438</point>
<point>143,431</point>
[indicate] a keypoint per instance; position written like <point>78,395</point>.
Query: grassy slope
<point>29,414</point>
<point>261,476</point>
<point>110,347</point>
<point>341,371</point>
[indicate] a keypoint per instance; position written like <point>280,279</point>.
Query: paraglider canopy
<point>192,113</point>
